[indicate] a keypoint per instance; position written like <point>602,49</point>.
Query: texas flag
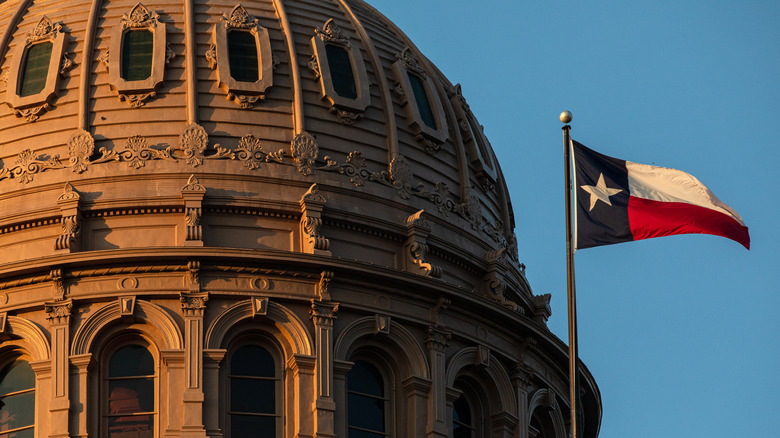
<point>620,201</point>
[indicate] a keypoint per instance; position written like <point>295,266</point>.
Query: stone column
<point>193,304</point>
<point>417,390</point>
<point>437,342</point>
<point>171,409</point>
<point>323,314</point>
<point>340,370</point>
<point>58,314</point>
<point>43,392</point>
<point>82,365</point>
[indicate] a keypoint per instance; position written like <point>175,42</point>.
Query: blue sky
<point>680,332</point>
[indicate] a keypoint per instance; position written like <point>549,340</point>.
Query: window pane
<point>242,53</point>
<point>131,360</point>
<point>16,376</point>
<point>252,395</point>
<point>366,412</point>
<point>128,396</point>
<point>423,104</point>
<point>137,47</point>
<point>17,411</point>
<point>36,68</point>
<point>366,379</point>
<point>251,426</point>
<point>252,360</point>
<point>341,71</point>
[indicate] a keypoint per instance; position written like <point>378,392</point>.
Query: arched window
<point>130,388</point>
<point>255,389</point>
<point>35,68</point>
<point>366,402</point>
<point>137,51</point>
<point>17,400</point>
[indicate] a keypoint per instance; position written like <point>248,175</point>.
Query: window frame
<point>32,106</point>
<point>477,144</point>
<point>244,93</point>
<point>15,356</point>
<point>117,344</point>
<point>137,92</point>
<point>331,34</point>
<point>405,65</point>
<point>262,341</point>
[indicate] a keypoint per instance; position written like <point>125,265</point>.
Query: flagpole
<point>574,375</point>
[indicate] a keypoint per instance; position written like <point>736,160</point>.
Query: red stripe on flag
<point>649,218</point>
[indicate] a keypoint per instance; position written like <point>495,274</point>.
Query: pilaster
<point>193,304</point>
<point>436,342</point>
<point>301,370</point>
<point>81,366</point>
<point>58,314</point>
<point>521,380</point>
<point>323,314</point>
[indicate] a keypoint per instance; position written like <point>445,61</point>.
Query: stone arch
<point>288,323</point>
<point>493,371</point>
<point>545,399</point>
<point>33,340</point>
<point>151,313</point>
<point>407,345</point>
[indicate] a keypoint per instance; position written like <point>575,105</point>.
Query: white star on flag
<point>600,192</point>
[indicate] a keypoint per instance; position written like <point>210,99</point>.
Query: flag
<point>620,201</point>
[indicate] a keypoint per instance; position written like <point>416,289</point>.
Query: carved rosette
<point>331,33</point>
<point>193,142</point>
<point>304,151</point>
<point>81,146</point>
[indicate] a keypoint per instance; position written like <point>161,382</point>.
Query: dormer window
<point>137,55</point>
<point>241,54</point>
<point>341,74</point>
<point>423,107</point>
<point>421,98</point>
<point>339,67</point>
<point>36,66</point>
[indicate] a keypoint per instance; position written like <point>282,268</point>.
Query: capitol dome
<point>271,217</point>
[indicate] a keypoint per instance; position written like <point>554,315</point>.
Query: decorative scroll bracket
<point>70,239</point>
<point>416,246</point>
<point>312,204</point>
<point>193,193</point>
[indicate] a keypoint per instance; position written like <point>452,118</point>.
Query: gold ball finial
<point>565,117</point>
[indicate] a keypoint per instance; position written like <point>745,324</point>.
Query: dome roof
<point>266,104</point>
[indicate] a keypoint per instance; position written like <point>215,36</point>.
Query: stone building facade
<point>264,218</point>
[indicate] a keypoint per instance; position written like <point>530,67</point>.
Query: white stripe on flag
<point>672,185</point>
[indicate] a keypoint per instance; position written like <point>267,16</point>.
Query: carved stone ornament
<point>304,151</point>
<point>416,246</point>
<point>58,312</point>
<point>137,152</point>
<point>312,204</point>
<point>44,30</point>
<point>259,306</point>
<point>438,339</point>
<point>471,209</point>
<point>81,146</point>
<point>28,164</point>
<point>239,18</point>
<point>382,324</point>
<point>68,193</point>
<point>323,313</point>
<point>71,220</point>
<point>322,287</point>
<point>193,185</point>
<point>409,61</point>
<point>139,17</point>
<point>211,56</point>
<point>250,152</point>
<point>193,142</point>
<point>401,175</point>
<point>314,66</point>
<point>126,305</point>
<point>542,309</point>
<point>193,302</point>
<point>331,33</point>
<point>346,117</point>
